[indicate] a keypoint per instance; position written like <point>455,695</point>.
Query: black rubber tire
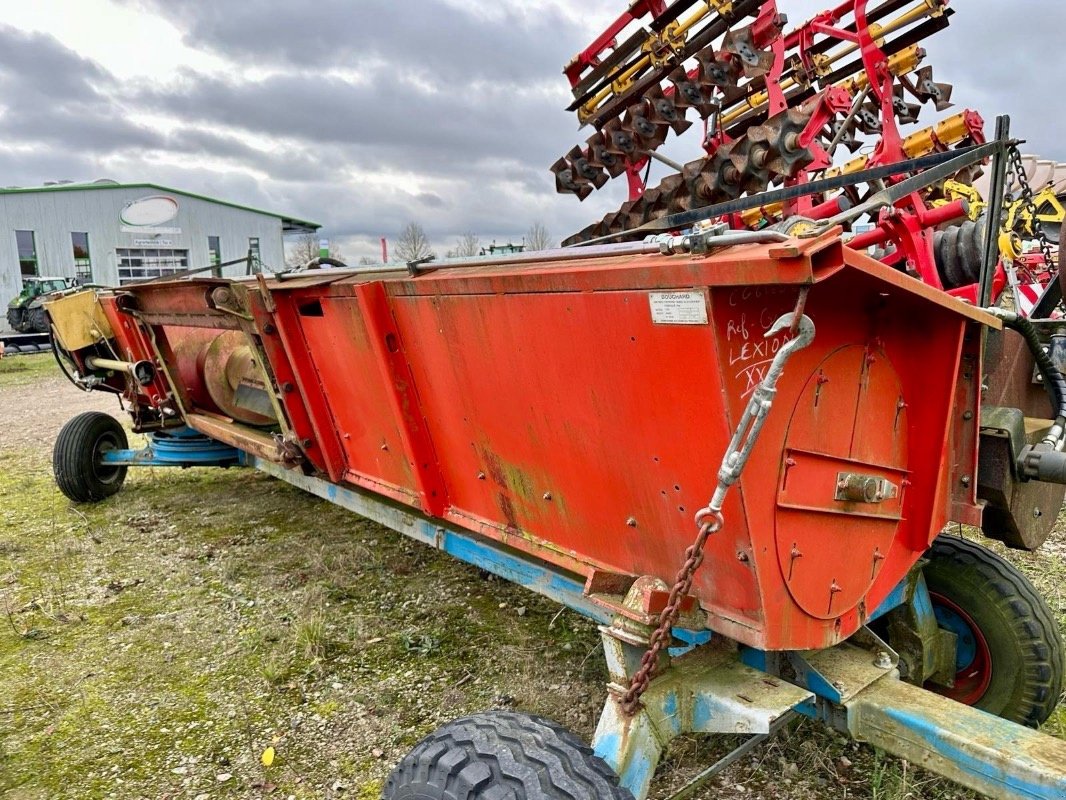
<point>1022,636</point>
<point>16,318</point>
<point>37,321</point>
<point>503,755</point>
<point>76,454</point>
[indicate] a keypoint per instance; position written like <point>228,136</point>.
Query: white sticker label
<point>678,308</point>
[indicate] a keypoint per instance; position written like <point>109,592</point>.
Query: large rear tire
<point>502,755</point>
<point>1010,654</point>
<point>37,321</point>
<point>76,457</point>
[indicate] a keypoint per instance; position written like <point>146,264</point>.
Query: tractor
<point>25,314</point>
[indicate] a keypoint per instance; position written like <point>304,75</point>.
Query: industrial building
<point>114,233</point>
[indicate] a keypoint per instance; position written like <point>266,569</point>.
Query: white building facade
<point>110,233</point>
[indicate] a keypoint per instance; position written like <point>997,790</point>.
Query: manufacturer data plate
<point>678,308</point>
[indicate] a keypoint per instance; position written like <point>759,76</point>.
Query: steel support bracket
<point>707,690</point>
<point>985,753</point>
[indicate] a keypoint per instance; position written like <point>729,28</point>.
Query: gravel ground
<point>170,641</point>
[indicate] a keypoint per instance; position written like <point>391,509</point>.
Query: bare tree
<point>465,246</point>
<point>538,237</point>
<point>412,243</point>
<point>307,248</point>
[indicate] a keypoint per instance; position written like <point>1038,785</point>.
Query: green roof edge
<point>73,187</point>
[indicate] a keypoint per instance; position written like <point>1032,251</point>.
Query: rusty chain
<point>668,617</point>
<point>1018,173</point>
<point>710,519</point>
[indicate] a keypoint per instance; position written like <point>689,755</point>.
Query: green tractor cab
<point>25,314</point>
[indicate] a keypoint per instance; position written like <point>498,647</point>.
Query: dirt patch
<point>157,644</point>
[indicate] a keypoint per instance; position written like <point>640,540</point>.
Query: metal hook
<point>804,335</point>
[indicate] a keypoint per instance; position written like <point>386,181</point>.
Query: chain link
<point>1017,168</point>
<point>668,616</point>
<point>710,520</point>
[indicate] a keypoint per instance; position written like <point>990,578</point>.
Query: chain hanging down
<point>710,519</point>
<point>1017,169</point>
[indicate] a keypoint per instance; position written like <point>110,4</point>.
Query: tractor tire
<point>16,318</point>
<point>76,457</point>
<point>1010,654</point>
<point>37,321</point>
<point>502,755</point>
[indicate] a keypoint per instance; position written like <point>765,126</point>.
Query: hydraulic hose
<point>1054,381</point>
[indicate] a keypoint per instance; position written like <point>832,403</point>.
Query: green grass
<point>161,639</point>
<point>22,370</point>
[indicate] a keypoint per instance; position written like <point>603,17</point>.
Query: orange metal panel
<point>579,411</point>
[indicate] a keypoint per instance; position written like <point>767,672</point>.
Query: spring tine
<point>927,89</point>
<point>754,63</point>
<point>583,168</point>
<point>600,157</point>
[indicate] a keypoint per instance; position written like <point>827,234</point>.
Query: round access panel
<point>840,496</point>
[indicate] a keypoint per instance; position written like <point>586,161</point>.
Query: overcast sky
<point>364,114</point>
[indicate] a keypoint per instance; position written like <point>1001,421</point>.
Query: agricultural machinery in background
<point>560,418</point>
<point>25,313</point>
<point>794,107</point>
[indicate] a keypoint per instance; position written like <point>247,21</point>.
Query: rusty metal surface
<point>980,751</point>
<point>1009,377</point>
<point>579,410</point>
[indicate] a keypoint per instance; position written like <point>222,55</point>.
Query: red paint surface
<point>543,407</point>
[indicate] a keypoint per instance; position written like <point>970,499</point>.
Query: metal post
<point>995,211</point>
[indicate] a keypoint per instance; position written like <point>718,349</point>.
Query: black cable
<point>53,341</point>
<point>1054,382</point>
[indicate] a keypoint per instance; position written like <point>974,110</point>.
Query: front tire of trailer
<point>1010,654</point>
<point>77,454</point>
<point>503,755</point>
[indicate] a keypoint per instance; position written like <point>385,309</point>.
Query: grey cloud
<point>462,101</point>
<point>450,44</point>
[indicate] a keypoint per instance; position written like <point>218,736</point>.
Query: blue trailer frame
<point>712,685</point>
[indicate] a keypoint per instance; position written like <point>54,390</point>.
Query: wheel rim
<point>973,659</point>
<point>106,473</point>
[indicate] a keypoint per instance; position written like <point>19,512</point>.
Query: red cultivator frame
<point>777,105</point>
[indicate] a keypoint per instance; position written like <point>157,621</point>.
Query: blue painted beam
<point>468,547</point>
<point>176,447</point>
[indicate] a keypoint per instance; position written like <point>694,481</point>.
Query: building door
<point>27,247</point>
<point>255,263</point>
<point>83,266</point>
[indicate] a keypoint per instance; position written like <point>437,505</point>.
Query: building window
<point>27,247</point>
<point>214,250</point>
<point>137,264</point>
<point>83,268</point>
<point>255,264</point>
<point>214,254</point>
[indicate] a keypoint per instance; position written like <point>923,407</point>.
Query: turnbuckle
<point>758,408</point>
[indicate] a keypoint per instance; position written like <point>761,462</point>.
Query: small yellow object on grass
<point>268,757</point>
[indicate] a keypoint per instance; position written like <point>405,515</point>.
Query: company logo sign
<point>149,211</point>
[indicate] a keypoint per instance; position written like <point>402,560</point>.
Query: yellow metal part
<point>78,319</point>
<point>675,36</point>
<point>903,62</point>
<point>953,191</point>
<point>1010,245</point>
<point>1020,219</point>
<point>675,40</point>
<point>946,132</point>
